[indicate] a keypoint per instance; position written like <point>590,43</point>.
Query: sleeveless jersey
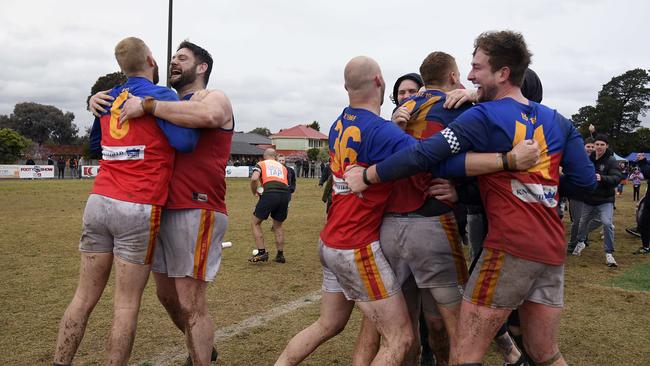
<point>199,178</point>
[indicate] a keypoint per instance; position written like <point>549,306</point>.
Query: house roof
<point>244,148</point>
<point>251,138</point>
<point>300,131</point>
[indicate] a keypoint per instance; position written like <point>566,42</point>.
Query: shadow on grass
<point>636,278</point>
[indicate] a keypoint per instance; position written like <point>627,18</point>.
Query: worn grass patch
<point>40,224</point>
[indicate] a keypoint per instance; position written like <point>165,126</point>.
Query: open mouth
<point>176,72</point>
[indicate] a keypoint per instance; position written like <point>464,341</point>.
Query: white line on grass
<point>179,353</point>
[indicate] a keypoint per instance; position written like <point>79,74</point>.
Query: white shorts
<point>126,229</point>
<point>361,274</point>
<point>189,243</point>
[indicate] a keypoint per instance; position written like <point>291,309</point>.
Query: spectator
<point>636,177</point>
<point>644,222</point>
<point>60,164</point>
<point>72,164</point>
<point>622,166</point>
<point>601,201</point>
<point>80,165</point>
<point>29,161</point>
<point>49,160</point>
<point>312,169</point>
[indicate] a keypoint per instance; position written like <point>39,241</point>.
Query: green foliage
<point>261,131</point>
<point>41,123</point>
<point>324,154</point>
<point>106,82</point>
<point>620,103</point>
<point>313,153</point>
<point>12,145</point>
<point>315,125</point>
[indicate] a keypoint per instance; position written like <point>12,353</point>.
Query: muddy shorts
<point>189,244</point>
<point>126,229</point>
<point>429,248</point>
<point>361,274</point>
<point>501,280</point>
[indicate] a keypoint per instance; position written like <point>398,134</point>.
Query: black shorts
<point>275,203</point>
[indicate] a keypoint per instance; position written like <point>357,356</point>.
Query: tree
<point>312,153</point>
<point>315,125</point>
<point>106,82</point>
<point>41,123</point>
<point>261,131</point>
<point>12,145</point>
<point>324,154</point>
<point>620,103</point>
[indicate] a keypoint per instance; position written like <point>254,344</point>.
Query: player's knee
<point>331,327</point>
<point>446,296</point>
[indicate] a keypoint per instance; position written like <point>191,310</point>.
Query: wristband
<point>504,161</point>
<point>148,105</point>
<point>364,176</point>
<point>512,161</point>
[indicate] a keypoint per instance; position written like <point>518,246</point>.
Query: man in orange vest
<point>270,183</point>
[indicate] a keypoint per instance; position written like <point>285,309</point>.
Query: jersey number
<point>344,155</point>
<point>117,130</point>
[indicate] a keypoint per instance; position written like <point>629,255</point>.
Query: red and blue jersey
<point>137,155</point>
<point>520,206</point>
<point>359,137</point>
<point>428,117</point>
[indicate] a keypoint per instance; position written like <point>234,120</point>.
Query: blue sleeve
<point>386,140</point>
<point>451,168</point>
<point>577,168</point>
<point>420,157</point>
<point>472,129</point>
<point>180,138</point>
<point>95,138</point>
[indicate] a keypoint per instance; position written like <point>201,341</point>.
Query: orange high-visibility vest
<point>272,171</point>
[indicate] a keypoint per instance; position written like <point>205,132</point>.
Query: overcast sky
<point>281,62</point>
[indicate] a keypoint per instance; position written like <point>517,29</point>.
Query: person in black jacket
<point>644,221</point>
<point>601,201</point>
<point>291,175</point>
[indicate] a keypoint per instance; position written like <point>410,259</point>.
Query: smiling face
<point>589,148</point>
<point>406,89</point>
<point>182,69</point>
<point>482,77</point>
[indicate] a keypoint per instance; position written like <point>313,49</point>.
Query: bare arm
<point>255,177</point>
<point>206,109</point>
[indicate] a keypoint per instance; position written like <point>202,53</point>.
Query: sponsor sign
<point>123,152</point>
<point>9,171</point>
<point>89,171</point>
<point>36,171</point>
<point>534,192</point>
<point>237,171</point>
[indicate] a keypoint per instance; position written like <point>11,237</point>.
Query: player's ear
<point>150,61</point>
<point>503,74</point>
<point>201,68</point>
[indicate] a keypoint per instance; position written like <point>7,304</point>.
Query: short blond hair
<point>131,54</point>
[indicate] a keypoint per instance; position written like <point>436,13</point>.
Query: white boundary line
<point>179,353</point>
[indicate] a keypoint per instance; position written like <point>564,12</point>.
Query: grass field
<point>606,319</point>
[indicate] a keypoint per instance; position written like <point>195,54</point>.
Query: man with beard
<point>122,215</point>
<point>521,265</point>
<point>194,220</point>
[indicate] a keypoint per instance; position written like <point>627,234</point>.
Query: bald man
<point>354,268</point>
<point>270,183</point>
